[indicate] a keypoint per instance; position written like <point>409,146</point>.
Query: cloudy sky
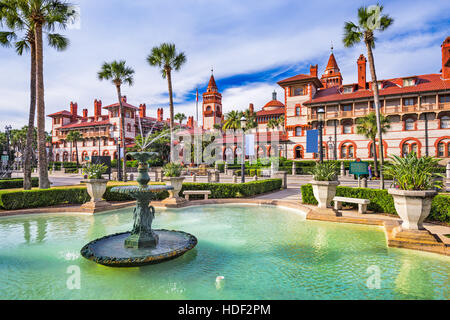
<point>251,45</point>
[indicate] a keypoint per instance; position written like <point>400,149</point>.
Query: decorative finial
<point>212,70</point>
<point>332,46</point>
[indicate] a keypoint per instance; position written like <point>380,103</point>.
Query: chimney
<point>313,70</point>
<point>160,114</point>
<point>85,113</point>
<point>142,110</point>
<point>73,111</point>
<point>446,58</point>
<point>362,61</point>
<point>251,108</point>
<point>97,109</point>
<point>274,95</point>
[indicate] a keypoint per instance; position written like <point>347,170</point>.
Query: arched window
<point>348,151</point>
<point>57,158</point>
<point>65,156</point>
<point>94,153</point>
<point>445,122</point>
<point>105,153</point>
<point>409,145</point>
<point>298,152</point>
<point>297,111</point>
<point>409,124</point>
<point>298,131</point>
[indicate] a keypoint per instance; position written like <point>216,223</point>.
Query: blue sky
<point>250,44</point>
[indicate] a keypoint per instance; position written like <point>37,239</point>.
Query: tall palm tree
<point>180,117</point>
<point>167,59</point>
<point>367,127</point>
<point>16,17</point>
<point>119,74</point>
<point>250,119</point>
<point>272,123</point>
<point>42,16</point>
<point>232,120</point>
<point>370,19</point>
<point>73,137</point>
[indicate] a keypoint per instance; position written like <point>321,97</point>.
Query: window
<point>351,152</point>
<point>84,143</point>
<point>410,146</point>
<point>347,128</point>
<point>348,89</point>
<point>409,101</point>
<point>347,107</point>
<point>444,99</point>
<point>94,143</point>
<point>298,91</point>
<point>408,82</point>
<point>105,143</point>
<point>441,149</point>
<point>297,111</point>
<point>298,131</point>
<point>409,124</point>
<point>445,122</point>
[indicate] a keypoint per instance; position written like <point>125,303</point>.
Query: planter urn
<point>413,207</point>
<point>96,189</point>
<point>174,199</point>
<point>324,192</point>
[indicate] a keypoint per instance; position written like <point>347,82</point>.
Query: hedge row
<point>15,200</point>
<point>381,201</point>
<point>17,183</point>
<point>238,190</point>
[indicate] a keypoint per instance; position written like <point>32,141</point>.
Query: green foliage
<point>94,171</point>
<point>235,190</point>
<point>413,173</point>
<point>326,171</point>
<point>172,170</point>
<point>381,201</point>
<point>17,183</point>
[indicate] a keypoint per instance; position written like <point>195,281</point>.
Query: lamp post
<point>321,117</point>
<point>243,124</point>
<point>8,134</point>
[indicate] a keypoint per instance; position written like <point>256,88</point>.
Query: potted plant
<point>324,183</point>
<point>172,172</point>
<point>96,186</point>
<point>414,187</point>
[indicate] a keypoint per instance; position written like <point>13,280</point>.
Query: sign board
<point>5,159</point>
<point>312,141</point>
<point>359,167</point>
<point>249,144</point>
<point>103,160</point>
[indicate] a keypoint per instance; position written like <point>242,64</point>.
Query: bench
<point>362,203</point>
<point>187,193</point>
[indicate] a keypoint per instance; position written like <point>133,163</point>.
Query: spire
<point>332,64</point>
<point>332,75</point>
<point>212,87</point>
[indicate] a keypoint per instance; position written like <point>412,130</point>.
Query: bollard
<point>209,176</point>
<point>225,169</point>
<point>217,176</point>
<point>364,182</point>
<point>342,169</point>
<point>194,177</point>
<point>294,169</point>
<point>234,179</point>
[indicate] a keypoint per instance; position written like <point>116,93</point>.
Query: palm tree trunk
<point>377,109</point>
<point>169,83</point>
<point>30,132</point>
<point>76,153</point>
<point>122,132</point>
<point>375,157</point>
<point>71,156</point>
<point>44,183</point>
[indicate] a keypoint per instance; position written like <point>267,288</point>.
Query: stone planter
<point>177,184</point>
<point>324,192</point>
<point>96,189</point>
<point>412,206</point>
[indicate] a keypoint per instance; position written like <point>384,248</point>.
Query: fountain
<point>142,245</point>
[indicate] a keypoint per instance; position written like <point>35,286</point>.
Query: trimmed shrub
<point>381,201</point>
<point>17,183</point>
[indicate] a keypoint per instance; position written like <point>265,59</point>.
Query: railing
<point>411,108</point>
<point>444,106</point>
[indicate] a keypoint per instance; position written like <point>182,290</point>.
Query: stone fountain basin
<point>110,251</point>
<point>138,192</point>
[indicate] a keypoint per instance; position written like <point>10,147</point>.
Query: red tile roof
<point>424,83</point>
<point>85,124</point>
<point>303,78</point>
<point>274,103</point>
<point>212,82</point>
<point>127,105</point>
<point>332,64</point>
<point>270,112</point>
<point>60,113</point>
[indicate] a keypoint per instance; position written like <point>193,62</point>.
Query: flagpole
<point>196,107</point>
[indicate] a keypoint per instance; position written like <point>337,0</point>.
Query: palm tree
<point>367,126</point>
<point>42,16</point>
<point>370,19</point>
<point>180,117</point>
<point>250,119</point>
<point>16,16</point>
<point>272,123</point>
<point>281,122</point>
<point>74,137</point>
<point>232,120</point>
<point>119,74</point>
<point>167,59</point>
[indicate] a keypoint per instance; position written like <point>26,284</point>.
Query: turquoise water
<point>262,253</point>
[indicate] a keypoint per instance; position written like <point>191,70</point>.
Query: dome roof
<point>273,104</point>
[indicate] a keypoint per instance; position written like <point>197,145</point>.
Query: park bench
<point>362,203</point>
<point>187,193</point>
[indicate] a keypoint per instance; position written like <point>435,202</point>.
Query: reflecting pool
<point>261,253</point>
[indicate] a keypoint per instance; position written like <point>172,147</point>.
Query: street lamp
<point>321,118</point>
<point>243,124</point>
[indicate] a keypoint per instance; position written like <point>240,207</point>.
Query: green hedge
<point>381,201</point>
<point>238,190</point>
<point>17,183</point>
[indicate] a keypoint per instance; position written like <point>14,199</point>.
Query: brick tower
<point>212,105</point>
